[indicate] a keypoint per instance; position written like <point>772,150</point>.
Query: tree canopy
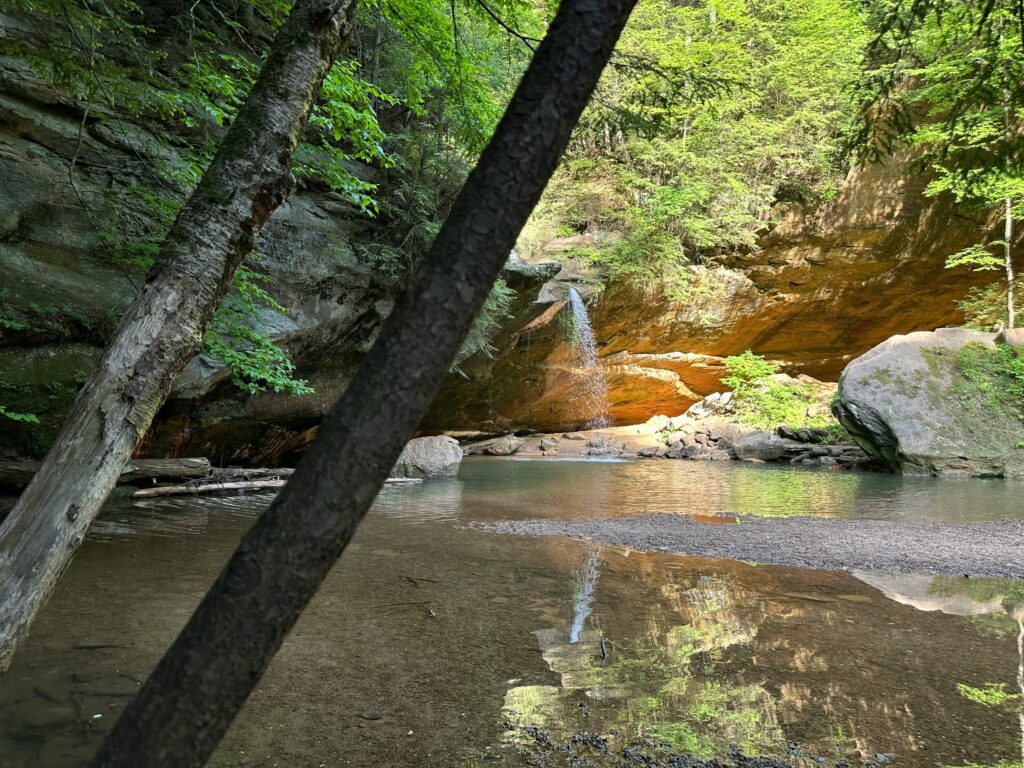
<point>745,105</point>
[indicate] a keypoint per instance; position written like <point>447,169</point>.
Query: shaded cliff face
<point>820,291</point>
<point>67,184</point>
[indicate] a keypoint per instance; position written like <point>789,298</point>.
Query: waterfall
<point>594,387</point>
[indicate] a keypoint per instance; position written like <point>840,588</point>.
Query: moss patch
<point>994,374</point>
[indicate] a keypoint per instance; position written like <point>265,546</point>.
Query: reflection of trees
<point>1009,593</point>
<point>651,687</point>
<point>704,653</point>
<point>779,492</point>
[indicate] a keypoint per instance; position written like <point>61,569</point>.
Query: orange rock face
<point>820,291</point>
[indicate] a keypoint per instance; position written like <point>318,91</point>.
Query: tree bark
<point>248,179</point>
<point>198,687</point>
<point>1008,258</point>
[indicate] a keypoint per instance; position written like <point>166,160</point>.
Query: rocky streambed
<point>889,546</point>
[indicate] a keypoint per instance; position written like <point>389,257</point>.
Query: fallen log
<point>226,474</point>
<point>136,471</point>
<point>226,486</point>
<point>151,470</point>
<point>209,487</point>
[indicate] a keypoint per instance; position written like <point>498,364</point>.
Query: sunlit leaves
<point>30,418</point>
<point>716,113</point>
<point>977,257</point>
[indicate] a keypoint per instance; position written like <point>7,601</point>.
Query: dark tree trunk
<point>248,179</point>
<point>202,681</point>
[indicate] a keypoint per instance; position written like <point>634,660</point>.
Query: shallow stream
<point>436,644</point>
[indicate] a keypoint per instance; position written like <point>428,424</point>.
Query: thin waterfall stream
<point>593,388</point>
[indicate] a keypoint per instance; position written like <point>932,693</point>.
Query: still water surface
<point>434,644</point>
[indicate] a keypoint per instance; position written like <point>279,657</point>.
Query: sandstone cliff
<point>820,290</point>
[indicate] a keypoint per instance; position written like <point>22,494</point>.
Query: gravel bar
<point>975,549</point>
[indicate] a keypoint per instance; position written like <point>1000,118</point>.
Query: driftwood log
<point>136,471</point>
<point>214,485</point>
<point>207,487</point>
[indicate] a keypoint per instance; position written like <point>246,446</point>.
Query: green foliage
<point>977,257</point>
<point>713,115</point>
<point>747,371</point>
<point>997,374</point>
<point>984,307</point>
<point>992,695</point>
<point>393,132</point>
<point>346,117</point>
<point>256,363</point>
<point>233,338</point>
<point>31,418</point>
<point>488,322</point>
<point>762,401</point>
<point>429,176</point>
<point>946,75</point>
<point>948,80</point>
<point>11,319</point>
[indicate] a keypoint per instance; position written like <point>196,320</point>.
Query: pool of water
<point>535,488</point>
<point>436,644</point>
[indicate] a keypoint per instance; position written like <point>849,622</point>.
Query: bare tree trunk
<point>1008,258</point>
<point>204,678</point>
<point>1019,615</point>
<point>248,179</point>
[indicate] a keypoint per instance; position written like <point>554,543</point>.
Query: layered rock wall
<point>820,290</point>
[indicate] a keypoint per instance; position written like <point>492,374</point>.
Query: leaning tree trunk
<point>204,678</point>
<point>248,179</point>
<point>1008,259</point>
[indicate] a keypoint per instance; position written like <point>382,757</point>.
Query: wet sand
<point>965,549</point>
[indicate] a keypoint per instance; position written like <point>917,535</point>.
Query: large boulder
<point>437,456</point>
<point>763,446</point>
<point>915,406</point>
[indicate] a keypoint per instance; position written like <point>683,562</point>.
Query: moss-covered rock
<point>944,402</point>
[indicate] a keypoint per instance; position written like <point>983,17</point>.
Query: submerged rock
<point>914,407</point>
<point>437,456</point>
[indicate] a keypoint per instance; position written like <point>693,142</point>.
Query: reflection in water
<point>1003,601</point>
<point>935,593</point>
<point>584,598</point>
<point>808,667</point>
<point>426,620</point>
<point>997,605</point>
<point>656,686</point>
<point>512,489</point>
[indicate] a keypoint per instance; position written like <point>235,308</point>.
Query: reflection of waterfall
<point>594,388</point>
<point>584,602</point>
